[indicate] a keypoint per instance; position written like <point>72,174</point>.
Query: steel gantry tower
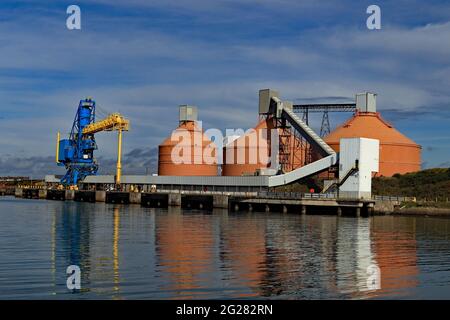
<point>325,108</point>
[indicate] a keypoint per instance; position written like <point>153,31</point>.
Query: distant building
<point>14,179</point>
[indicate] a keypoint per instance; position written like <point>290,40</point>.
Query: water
<point>129,252</point>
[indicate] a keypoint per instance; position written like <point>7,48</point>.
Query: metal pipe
<point>119,156</point>
<point>57,147</point>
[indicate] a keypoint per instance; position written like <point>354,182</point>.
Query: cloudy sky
<point>144,58</point>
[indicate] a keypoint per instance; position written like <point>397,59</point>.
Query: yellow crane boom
<point>114,121</point>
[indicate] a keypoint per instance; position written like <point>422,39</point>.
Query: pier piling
<point>208,201</point>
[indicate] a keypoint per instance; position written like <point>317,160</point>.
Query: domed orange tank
<point>187,152</point>
<point>245,153</point>
<point>250,159</point>
<point>398,154</point>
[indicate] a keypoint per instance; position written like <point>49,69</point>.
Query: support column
<point>135,197</point>
<point>303,210</point>
<point>18,192</point>
<point>119,157</point>
<point>220,201</point>
<point>100,196</point>
<point>339,211</point>
<point>70,194</point>
<point>358,212</point>
<point>175,199</point>
<point>42,194</point>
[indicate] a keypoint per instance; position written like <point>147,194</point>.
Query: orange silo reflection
<point>185,250</point>
<point>244,253</point>
<point>396,252</point>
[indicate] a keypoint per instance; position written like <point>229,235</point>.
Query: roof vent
<point>188,113</point>
<point>265,96</point>
<point>366,102</point>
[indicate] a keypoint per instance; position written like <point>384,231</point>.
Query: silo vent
<point>188,113</point>
<point>366,102</point>
<point>265,96</point>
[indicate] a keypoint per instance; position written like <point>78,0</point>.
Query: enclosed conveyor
<point>329,156</point>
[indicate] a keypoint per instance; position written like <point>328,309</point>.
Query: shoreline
<point>422,211</point>
<point>385,208</point>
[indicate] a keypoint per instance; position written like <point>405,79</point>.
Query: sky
<point>143,58</point>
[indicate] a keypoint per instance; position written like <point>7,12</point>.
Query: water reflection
<point>396,248</point>
<point>70,242</point>
<point>116,248</point>
<point>131,252</point>
<point>243,254</point>
<point>185,251</point>
<point>354,255</point>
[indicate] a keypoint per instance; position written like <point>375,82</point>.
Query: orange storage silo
<point>187,151</point>
<point>398,154</point>
<point>292,150</point>
<point>245,153</point>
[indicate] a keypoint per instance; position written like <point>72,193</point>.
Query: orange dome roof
<point>369,125</point>
<point>190,126</point>
<point>398,153</point>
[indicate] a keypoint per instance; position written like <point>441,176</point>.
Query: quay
<point>254,201</point>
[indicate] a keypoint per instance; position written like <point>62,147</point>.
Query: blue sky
<point>144,58</point>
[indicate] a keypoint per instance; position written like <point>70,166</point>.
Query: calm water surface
<point>129,252</point>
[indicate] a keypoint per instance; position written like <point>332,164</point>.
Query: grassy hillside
<point>428,184</point>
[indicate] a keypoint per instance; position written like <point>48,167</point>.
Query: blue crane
<point>76,153</point>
